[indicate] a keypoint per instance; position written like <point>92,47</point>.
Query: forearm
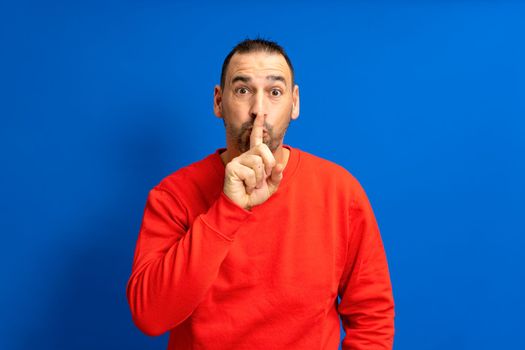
<point>166,290</point>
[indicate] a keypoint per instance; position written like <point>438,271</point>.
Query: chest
<point>289,248</point>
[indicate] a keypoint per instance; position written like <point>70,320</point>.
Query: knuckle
<point>229,167</point>
<point>254,159</point>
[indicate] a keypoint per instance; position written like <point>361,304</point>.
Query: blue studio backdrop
<point>422,101</point>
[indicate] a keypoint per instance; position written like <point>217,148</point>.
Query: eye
<point>242,90</point>
<point>276,92</point>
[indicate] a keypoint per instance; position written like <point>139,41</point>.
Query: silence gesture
<point>254,176</point>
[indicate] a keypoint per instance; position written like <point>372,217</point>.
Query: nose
<point>258,105</point>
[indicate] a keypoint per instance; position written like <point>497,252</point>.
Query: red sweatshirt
<point>220,277</point>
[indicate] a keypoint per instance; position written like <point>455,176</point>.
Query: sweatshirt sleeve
<point>367,305</point>
<point>175,265</point>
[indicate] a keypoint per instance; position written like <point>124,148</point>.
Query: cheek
<point>235,110</point>
<point>283,117</point>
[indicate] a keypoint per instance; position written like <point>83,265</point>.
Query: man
<point>250,247</point>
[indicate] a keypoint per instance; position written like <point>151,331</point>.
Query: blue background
<point>422,102</point>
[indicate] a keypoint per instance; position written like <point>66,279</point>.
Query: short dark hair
<point>255,45</point>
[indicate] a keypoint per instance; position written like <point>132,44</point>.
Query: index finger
<point>256,137</point>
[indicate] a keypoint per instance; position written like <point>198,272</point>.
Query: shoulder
<point>327,173</point>
<point>193,176</point>
<point>325,168</point>
<point>311,160</point>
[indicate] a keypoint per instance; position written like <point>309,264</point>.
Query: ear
<point>217,101</point>
<point>295,101</point>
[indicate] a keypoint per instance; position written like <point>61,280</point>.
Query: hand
<point>254,176</point>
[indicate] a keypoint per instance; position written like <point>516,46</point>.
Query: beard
<point>271,138</point>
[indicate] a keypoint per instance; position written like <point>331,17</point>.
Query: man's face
<point>256,83</point>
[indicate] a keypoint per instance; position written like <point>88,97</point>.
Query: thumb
<point>275,179</point>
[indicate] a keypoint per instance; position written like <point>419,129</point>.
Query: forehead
<point>258,64</point>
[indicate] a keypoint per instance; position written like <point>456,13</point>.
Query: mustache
<point>249,125</point>
<point>243,135</point>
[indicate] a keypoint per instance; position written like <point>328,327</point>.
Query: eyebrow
<point>242,78</point>
<point>276,78</point>
<point>246,79</point>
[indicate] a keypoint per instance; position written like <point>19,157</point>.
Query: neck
<point>281,154</point>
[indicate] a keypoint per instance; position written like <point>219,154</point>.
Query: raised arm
<point>175,265</point>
